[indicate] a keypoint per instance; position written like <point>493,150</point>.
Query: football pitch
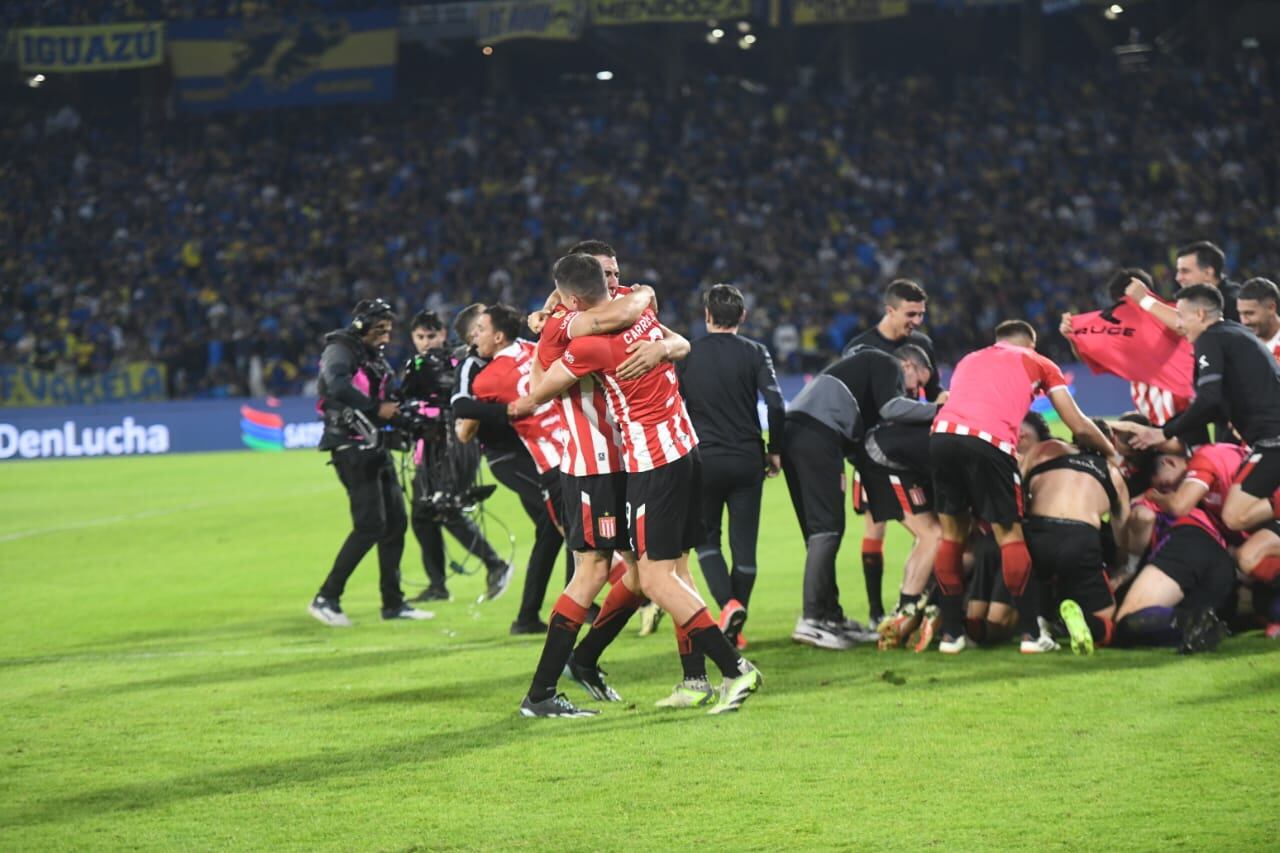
<point>164,688</point>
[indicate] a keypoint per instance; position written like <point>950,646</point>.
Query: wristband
<point>1147,301</point>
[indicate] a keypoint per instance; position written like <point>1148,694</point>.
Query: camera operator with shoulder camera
<point>354,379</point>
<point>445,469</point>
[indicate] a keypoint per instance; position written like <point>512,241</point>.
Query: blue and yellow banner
<point>106,48</point>
<point>130,383</point>
<point>804,12</point>
<point>544,19</point>
<point>283,61</point>
<point>621,12</point>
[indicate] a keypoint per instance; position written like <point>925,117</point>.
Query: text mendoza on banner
<point>106,48</point>
<point>839,11</point>
<point>546,19</point>
<point>618,12</point>
<point>260,63</point>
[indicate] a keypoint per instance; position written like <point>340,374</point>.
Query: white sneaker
<point>650,616</point>
<point>857,632</point>
<point>821,635</point>
<point>404,611</point>
<point>1043,643</point>
<point>328,612</point>
<point>953,647</point>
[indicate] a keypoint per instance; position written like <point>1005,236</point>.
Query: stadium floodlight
<point>1113,11</point>
<point>744,26</point>
<point>35,80</point>
<point>749,38</point>
<point>487,50</point>
<point>604,76</point>
<point>718,33</point>
<point>746,42</point>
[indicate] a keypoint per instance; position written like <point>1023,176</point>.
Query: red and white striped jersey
<point>654,422</point>
<point>593,443</point>
<point>506,378</point>
<point>1273,346</point>
<point>1158,405</point>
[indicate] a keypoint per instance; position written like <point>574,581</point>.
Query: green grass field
<point>163,687</point>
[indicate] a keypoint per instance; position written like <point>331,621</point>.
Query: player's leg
<point>395,521</point>
<point>359,473</point>
<point>743,503</point>
<point>872,553</point>
<point>1259,558</point>
<point>717,472</point>
<point>1251,502</point>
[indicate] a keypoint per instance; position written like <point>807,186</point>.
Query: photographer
<point>444,468</point>
<point>353,399</point>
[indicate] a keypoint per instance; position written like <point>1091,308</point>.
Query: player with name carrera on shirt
<point>505,379</point>
<point>904,310</point>
<point>662,484</point>
<point>1127,341</point>
<point>976,472</point>
<point>1238,377</point>
<point>1258,303</point>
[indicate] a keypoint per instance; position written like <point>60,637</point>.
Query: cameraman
<point>353,399</point>
<point>429,378</point>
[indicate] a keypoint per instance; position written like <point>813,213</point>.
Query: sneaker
<point>1077,628</point>
<point>857,632</point>
<point>895,628</point>
<point>650,616</point>
<point>432,593</point>
<point>404,611</point>
<point>874,618</point>
<point>328,612</point>
<point>732,618</point>
<point>953,647</point>
<point>1040,645</point>
<point>1202,631</point>
<point>591,679</point>
<point>553,706</point>
<point>930,625</point>
<point>821,635</point>
<point>735,691</point>
<point>690,693</point>
<point>523,626</point>
<point>742,641</point>
<point>498,580</point>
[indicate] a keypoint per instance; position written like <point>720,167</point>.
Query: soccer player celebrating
<point>975,470</point>
<point>1238,377</point>
<point>1257,303</point>
<point>825,422</point>
<point>904,310</point>
<point>662,493</point>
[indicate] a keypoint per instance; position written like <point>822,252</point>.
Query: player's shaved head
<point>581,276</point>
<point>1016,332</point>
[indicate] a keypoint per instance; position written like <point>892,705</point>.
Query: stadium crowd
<point>225,247</point>
<point>54,13</point>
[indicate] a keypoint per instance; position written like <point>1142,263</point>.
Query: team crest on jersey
<point>607,526</point>
<point>559,313</point>
<point>917,495</point>
<point>568,358</point>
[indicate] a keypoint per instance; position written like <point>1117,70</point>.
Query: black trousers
<point>377,518</point>
<point>516,471</point>
<point>813,463</point>
<point>735,480</point>
<point>429,526</point>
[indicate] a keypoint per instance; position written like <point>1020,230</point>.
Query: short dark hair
<point>1135,417</point>
<point>916,355</point>
<point>1015,329</point>
<point>580,275</point>
<point>427,319</point>
<point>725,304</point>
<point>902,290</point>
<point>1205,296</point>
<point>1207,255</point>
<point>466,319</point>
<point>1120,280</point>
<point>1036,421</point>
<point>593,247</point>
<point>1103,427</point>
<point>506,319</point>
<point>1260,290</point>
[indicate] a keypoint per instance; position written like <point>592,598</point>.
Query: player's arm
<point>1119,518</point>
<point>1141,296</point>
<point>775,406</point>
<point>554,381</point>
<point>469,412</point>
<point>1064,329</point>
<point>644,356</point>
<point>1085,431</point>
<point>1207,403</point>
<point>613,315</point>
<point>889,394</point>
<point>1183,499</point>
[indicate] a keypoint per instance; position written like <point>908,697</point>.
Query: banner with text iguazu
<point>112,47</point>
<point>284,61</point>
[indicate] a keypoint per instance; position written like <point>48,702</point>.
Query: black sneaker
<point>591,679</point>
<point>404,611</point>
<point>1202,631</point>
<point>433,593</point>
<point>523,626</point>
<point>498,579</point>
<point>553,706</point>
<point>329,612</point>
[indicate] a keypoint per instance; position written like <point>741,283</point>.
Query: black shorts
<point>986,581</point>
<point>893,495</point>
<point>1198,564</point>
<point>973,476</point>
<point>1068,556</point>
<point>664,507</point>
<point>595,512</point>
<point>1260,474</point>
<point>553,495</point>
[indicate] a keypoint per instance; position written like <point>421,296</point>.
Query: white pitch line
<point>219,653</point>
<point>140,516</point>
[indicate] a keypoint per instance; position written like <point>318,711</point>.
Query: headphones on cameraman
<point>369,311</point>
